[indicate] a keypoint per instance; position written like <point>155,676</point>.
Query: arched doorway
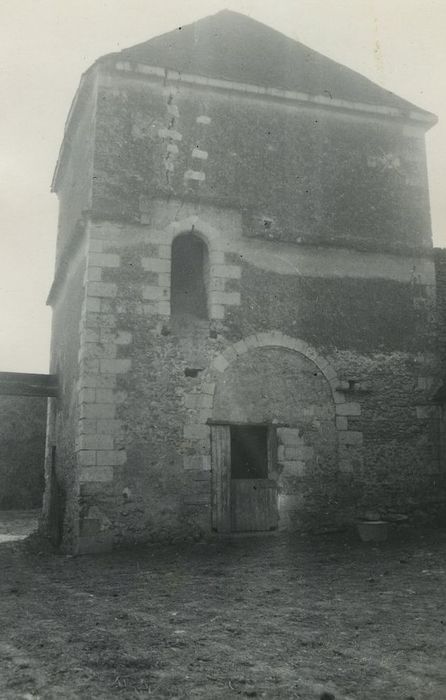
<point>274,442</point>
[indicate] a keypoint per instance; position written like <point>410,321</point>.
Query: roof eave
<point>424,119</point>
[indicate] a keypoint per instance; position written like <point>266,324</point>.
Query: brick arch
<point>193,224</point>
<point>200,402</point>
<point>279,340</point>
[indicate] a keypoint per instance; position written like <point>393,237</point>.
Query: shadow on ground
<point>278,617</point>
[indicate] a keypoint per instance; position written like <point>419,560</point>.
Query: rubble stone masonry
<point>321,304</point>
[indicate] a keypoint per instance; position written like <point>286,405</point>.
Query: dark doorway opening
<point>249,452</point>
<point>189,274</point>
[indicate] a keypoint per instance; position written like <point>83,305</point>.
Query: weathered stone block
<point>102,289</point>
<point>292,453</point>
<point>97,320</point>
<point>252,342</point>
<point>206,462</point>
<point>289,436</point>
<point>338,398</point>
<point>192,462</point>
<point>111,457</point>
<point>164,280</point>
<point>230,354</point>
<point>109,307</point>
<point>240,347</point>
<point>348,409</point>
<point>86,458</point>
<point>198,401</point>
<point>92,304</point>
<point>217,311</point>
<point>105,396</point>
<point>98,473</point>
<point>199,154</point>
<point>95,442</point>
<point>208,388</point>
<point>87,427</point>
<point>110,427</point>
<point>227,271</point>
<point>155,264</point>
<point>264,339</point>
<point>97,380</point>
<point>97,351</point>
<point>87,395</point>
<point>170,134</point>
<point>93,274</point>
<point>346,466</point>
<point>95,245</point>
<point>350,437</point>
<point>305,452</point>
<point>289,502</point>
<point>103,260</point>
<point>196,432</point>
<point>226,298</point>
<point>330,373</point>
<point>120,366</point>
<point>341,422</point>
<point>123,338</point>
<point>197,175</point>
<point>88,365</point>
<point>154,293</point>
<point>293,468</point>
<point>217,284</point>
<point>163,308</point>
<point>97,410</point>
<point>220,363</point>
<point>89,335</point>
<point>164,252</point>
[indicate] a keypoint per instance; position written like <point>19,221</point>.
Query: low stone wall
<point>22,451</point>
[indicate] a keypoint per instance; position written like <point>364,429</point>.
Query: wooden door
<point>244,497</point>
<point>253,505</point>
<point>221,478</point>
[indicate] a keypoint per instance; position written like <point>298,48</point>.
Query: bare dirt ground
<point>271,617</point>
<point>17,524</point>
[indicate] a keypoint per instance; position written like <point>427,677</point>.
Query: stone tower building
<point>244,294</point>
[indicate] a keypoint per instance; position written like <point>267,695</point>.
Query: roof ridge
<point>233,46</point>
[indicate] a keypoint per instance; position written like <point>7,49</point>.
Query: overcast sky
<point>45,45</point>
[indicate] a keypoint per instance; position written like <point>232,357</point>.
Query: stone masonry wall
<point>74,183</point>
<point>269,185</point>
<point>147,388</point>
<point>22,451</point>
<point>296,173</point>
<point>440,278</point>
<point>63,412</point>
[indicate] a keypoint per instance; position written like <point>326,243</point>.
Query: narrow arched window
<point>189,275</point>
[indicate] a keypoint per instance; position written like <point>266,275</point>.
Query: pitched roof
<point>234,47</point>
